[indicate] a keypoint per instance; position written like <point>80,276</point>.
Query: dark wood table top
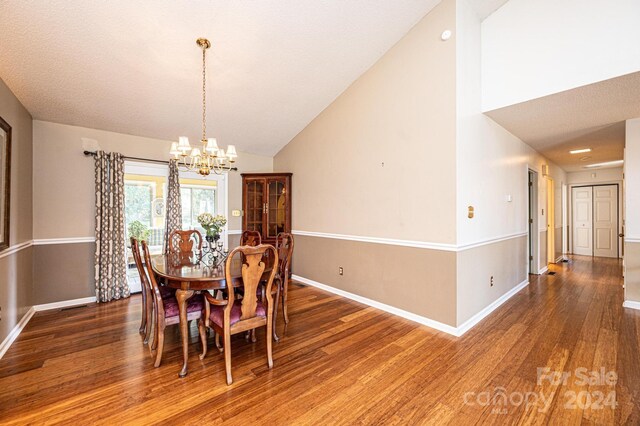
<point>187,273</point>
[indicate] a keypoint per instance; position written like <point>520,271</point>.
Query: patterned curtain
<point>110,260</point>
<point>173,220</point>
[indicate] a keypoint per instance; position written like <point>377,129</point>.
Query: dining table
<point>188,275</point>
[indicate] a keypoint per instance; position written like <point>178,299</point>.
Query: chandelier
<point>208,158</point>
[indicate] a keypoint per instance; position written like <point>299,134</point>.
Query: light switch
<point>236,213</point>
<point>508,198</point>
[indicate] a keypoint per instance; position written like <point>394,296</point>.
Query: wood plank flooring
<point>340,362</point>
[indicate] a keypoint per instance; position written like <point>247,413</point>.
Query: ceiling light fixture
<point>580,151</point>
<point>210,158</point>
<point>605,164</point>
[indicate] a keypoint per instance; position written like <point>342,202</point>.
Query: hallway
<point>340,362</point>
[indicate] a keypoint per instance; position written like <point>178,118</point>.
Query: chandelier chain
<point>204,93</point>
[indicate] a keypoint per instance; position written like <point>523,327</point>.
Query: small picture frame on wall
<point>5,182</point>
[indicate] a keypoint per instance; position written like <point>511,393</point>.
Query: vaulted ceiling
<point>133,66</point>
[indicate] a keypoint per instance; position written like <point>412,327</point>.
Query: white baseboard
<point>64,304</point>
<point>13,335</point>
<point>631,304</point>
<point>454,331</point>
<point>559,259</point>
<point>543,270</point>
<point>471,322</point>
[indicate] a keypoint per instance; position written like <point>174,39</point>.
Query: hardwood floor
<point>340,362</point>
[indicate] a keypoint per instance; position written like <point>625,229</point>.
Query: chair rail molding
<point>70,240</point>
<point>16,248</point>
<point>413,243</point>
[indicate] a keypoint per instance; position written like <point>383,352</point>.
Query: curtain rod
<point>149,160</point>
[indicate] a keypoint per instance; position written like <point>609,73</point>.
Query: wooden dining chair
<point>184,241</point>
<point>284,248</point>
<point>232,316</point>
<point>166,309</point>
<point>250,238</point>
<point>147,302</point>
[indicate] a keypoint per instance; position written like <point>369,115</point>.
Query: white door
<point>605,221</point>
<point>582,209</point>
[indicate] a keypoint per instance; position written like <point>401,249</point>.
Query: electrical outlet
<point>340,270</point>
<point>491,280</point>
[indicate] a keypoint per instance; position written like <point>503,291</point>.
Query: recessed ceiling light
<point>585,158</point>
<point>605,164</point>
<point>580,151</point>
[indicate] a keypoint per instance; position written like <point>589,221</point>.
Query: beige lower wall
<point>63,272</point>
<point>505,260</point>
<point>543,250</point>
<point>15,289</point>
<point>558,243</point>
<point>632,271</point>
<point>417,280</point>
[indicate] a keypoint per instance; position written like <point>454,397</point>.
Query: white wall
<point>536,48</point>
<point>613,175</point>
<point>492,164</point>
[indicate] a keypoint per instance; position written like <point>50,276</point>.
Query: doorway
<point>551,225</point>
<point>595,220</point>
<point>532,221</point>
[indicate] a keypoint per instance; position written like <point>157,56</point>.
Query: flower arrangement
<point>212,224</point>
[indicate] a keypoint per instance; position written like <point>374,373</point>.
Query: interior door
<point>582,208</point>
<point>605,221</point>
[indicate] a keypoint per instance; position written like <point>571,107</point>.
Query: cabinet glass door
<point>255,205</point>
<point>276,211</point>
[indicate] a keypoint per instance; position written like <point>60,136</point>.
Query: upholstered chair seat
<point>217,313</point>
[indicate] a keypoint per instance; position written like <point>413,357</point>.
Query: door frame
<point>532,252</point>
<point>619,219</point>
<point>551,219</point>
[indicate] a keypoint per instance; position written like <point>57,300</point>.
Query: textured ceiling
<point>133,66</point>
<point>590,116</point>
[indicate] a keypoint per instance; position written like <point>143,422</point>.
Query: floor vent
<point>73,307</point>
<point>551,273</point>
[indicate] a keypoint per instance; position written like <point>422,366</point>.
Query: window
<point>139,199</point>
<point>196,200</point>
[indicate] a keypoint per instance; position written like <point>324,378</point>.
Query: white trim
<point>411,243</point>
<point>72,240</point>
<point>471,322</point>
<point>382,306</point>
<point>543,270</point>
<point>454,331</point>
<point>631,304</point>
<point>234,232</point>
<point>64,304</point>
<point>559,259</point>
<point>13,334</point>
<point>632,239</point>
<point>468,246</point>
<point>16,248</point>
<point>378,240</point>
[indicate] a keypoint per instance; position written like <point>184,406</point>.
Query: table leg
<point>183,296</point>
